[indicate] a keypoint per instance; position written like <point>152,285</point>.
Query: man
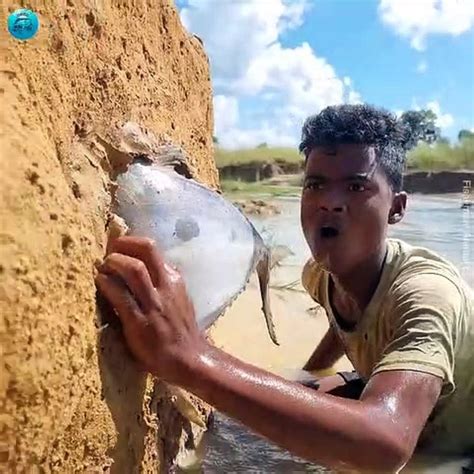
<point>402,315</point>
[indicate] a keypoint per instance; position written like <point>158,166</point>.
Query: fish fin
<point>145,146</point>
<point>263,272</point>
<point>278,254</point>
<point>184,404</point>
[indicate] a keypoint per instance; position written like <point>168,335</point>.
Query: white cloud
<point>249,64</point>
<point>306,81</point>
<point>231,134</point>
<point>418,19</point>
<point>443,120</point>
<point>226,112</point>
<point>248,138</point>
<point>235,32</point>
<point>422,67</point>
<point>351,96</point>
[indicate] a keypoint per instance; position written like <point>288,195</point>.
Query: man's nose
<point>334,201</point>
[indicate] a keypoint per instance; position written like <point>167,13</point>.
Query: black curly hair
<point>360,124</point>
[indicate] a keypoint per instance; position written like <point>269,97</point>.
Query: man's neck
<point>355,289</point>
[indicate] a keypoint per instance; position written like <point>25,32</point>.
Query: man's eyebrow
<point>353,177</point>
<point>315,177</point>
<point>359,177</point>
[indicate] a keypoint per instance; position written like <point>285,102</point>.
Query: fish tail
<point>263,272</point>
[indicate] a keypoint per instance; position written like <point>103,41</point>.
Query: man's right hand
<point>151,301</point>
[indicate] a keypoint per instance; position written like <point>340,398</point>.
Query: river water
<point>436,222</point>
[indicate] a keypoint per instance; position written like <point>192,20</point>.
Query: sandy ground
<point>242,331</point>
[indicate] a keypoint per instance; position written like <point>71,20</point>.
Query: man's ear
<point>397,211</point>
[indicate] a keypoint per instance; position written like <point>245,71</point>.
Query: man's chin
<point>335,263</point>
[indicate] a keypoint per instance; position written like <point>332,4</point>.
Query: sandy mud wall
<point>70,398</point>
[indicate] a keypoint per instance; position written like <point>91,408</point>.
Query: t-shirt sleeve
<point>425,315</point>
<point>311,279</point>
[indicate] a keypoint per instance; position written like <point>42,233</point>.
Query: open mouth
<point>328,232</point>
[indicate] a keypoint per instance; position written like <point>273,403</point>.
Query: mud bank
<point>258,171</point>
<point>425,182</point>
<point>70,396</point>
<point>257,207</point>
<point>438,182</point>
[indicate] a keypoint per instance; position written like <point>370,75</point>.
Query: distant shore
<point>438,182</point>
<point>274,179</point>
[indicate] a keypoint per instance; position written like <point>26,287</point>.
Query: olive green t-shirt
<point>421,318</point>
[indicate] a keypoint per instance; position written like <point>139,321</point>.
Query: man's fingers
<point>135,275</point>
<point>142,249</point>
<point>120,298</point>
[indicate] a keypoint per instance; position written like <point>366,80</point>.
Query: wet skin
<point>377,432</point>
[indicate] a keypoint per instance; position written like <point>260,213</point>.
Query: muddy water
<point>436,222</point>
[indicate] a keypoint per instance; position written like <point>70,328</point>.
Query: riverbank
<point>438,182</point>
<point>247,179</point>
<point>265,162</point>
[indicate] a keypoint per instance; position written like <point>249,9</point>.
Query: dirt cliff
<point>71,399</point>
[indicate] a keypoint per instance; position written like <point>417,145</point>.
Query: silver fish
<point>213,245</point>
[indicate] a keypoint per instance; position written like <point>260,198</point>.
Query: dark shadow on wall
<point>123,388</point>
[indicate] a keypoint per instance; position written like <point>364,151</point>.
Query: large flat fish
<point>213,245</point>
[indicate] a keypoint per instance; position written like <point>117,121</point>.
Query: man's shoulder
<point>414,266</point>
<point>422,280</point>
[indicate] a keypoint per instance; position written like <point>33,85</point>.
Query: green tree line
<point>426,148</point>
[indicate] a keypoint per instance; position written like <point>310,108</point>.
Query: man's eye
<point>357,187</point>
<point>313,186</point>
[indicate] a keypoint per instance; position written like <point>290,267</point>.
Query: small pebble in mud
<point>66,242</point>
<point>32,176</point>
<point>76,190</point>
<point>186,229</point>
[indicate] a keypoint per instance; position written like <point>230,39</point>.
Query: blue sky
<point>274,62</point>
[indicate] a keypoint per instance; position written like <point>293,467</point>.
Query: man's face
<point>346,205</point>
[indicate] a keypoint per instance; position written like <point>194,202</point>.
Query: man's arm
<point>378,432</point>
<point>328,352</point>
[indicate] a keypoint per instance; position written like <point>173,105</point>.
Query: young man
<point>403,316</point>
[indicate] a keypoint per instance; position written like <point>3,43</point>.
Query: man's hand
<point>150,299</point>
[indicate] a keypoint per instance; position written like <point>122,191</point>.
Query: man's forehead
<point>353,158</point>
